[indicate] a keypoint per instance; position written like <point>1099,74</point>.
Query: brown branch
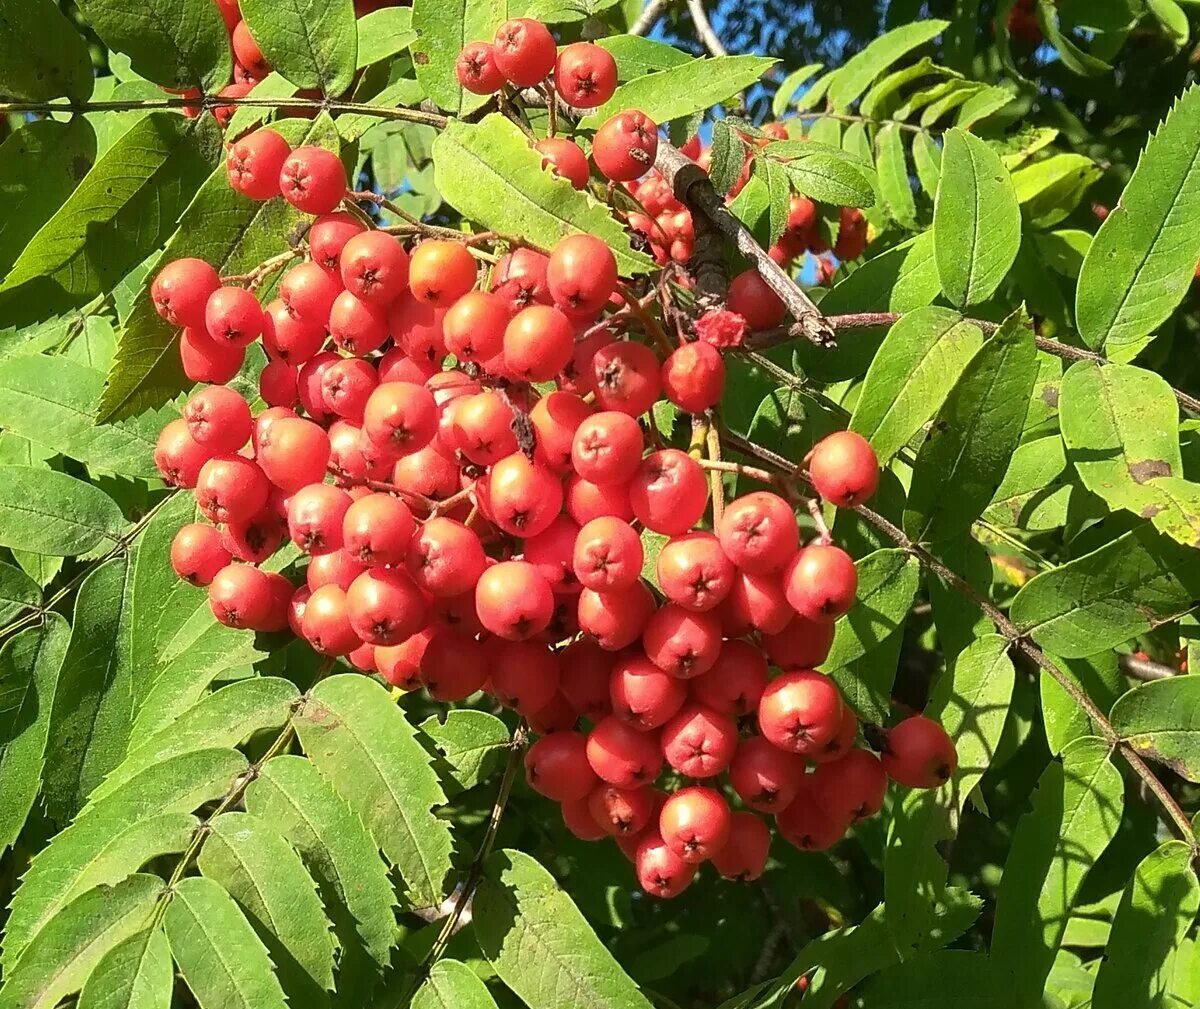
<point>1145,669</point>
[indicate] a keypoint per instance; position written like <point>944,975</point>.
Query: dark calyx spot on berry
<point>767,796</point>
<point>610,378</point>
<point>640,773</point>
<point>691,845</point>
<point>623,824</point>
<point>942,772</point>
<point>522,625</point>
<point>686,661</point>
<point>801,732</point>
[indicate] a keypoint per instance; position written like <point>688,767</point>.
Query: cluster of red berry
<point>1023,22</point>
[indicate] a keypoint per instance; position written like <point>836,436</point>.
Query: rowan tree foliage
<point>642,505</point>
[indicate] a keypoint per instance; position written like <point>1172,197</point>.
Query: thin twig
<point>649,16</point>
<point>704,29</point>
<point>718,486</point>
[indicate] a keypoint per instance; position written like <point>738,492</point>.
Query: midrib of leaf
<point>14,506</point>
<point>531,927</point>
<point>1115,592</point>
<point>218,948</point>
<point>975,223</point>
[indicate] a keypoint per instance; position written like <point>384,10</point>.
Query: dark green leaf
<point>1035,492</point>
<point>42,56</point>
<point>1161,720</point>
<point>313,43</point>
<point>887,583</point>
<point>443,27</point>
<point>452,985</point>
<point>473,743</point>
<point>899,280</point>
<point>47,512</point>
<point>18,592</point>
<point>135,974</point>
<point>923,983</point>
<point>728,157</point>
<point>830,179</point>
<point>958,620</point>
<point>1099,677</point>
<point>866,682</point>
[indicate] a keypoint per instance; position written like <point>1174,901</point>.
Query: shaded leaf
<point>42,56</point>
<point>887,584</point>
<point>1099,677</point>
<point>899,280</point>
<point>473,743</point>
<point>47,512</point>
<point>452,985</point>
<point>923,983</point>
<point>313,43</point>
<point>1035,492</point>
<point>18,592</point>
<point>1161,720</point>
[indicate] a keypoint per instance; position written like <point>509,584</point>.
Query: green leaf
<point>221,959</point>
<point>830,179</point>
<point>893,177</point>
<point>146,817</point>
<point>452,985</point>
<point>860,70</point>
<point>883,96</point>
<point>924,982</point>
<point>677,92</point>
<point>959,621</point>
<point>383,34</point>
<point>125,205</point>
<point>558,11</point>
<point>976,220</point>
<point>1036,491</point>
<point>18,592</point>
<point>728,157</point>
<point>927,160</point>
<point>968,448</point>
<point>1118,591</point>
<point>59,961</point>
<point>443,27</point>
<point>779,191</point>
<point>1076,812</point>
<point>175,43</point>
<point>790,85</point>
<point>137,973</point>
<point>1099,677</point>
<point>336,848</point>
<point>637,56</point>
<point>539,943</point>
<point>1050,189</point>
<point>365,747</point>
<point>47,512</point>
<point>262,872</point>
<point>1161,720</point>
<point>887,584</point>
<point>473,743</point>
<point>910,376</point>
<point>866,682</point>
<point>1142,260</point>
<point>42,56</point>
<point>488,172</point>
<point>225,229</point>
<point>40,166</point>
<point>899,280</point>
<point>313,43</point>
<point>29,666</point>
<point>1156,912</point>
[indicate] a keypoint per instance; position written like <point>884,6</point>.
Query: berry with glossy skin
<point>587,500</point>
<point>197,553</point>
<point>313,180</point>
<point>565,160</point>
<point>181,291</point>
<point>377,529</point>
<point>755,602</point>
<point>699,742</point>
<point>523,497</point>
<point>440,271</point>
<point>693,377</point>
<point>820,582</point>
<point>426,472</point>
<point>735,683</point>
<point>695,823</point>
<point>513,600</point>
<point>919,754</point>
<point>802,644</point>
<point>621,812</point>
<point>643,695</point>
<point>219,419</point>
<point>607,448</point>
<point>374,267</point>
<point>336,568</point>
<point>683,643</point>
<point>253,540</point>
<point>581,274</point>
<point>800,711</point>
<point>524,675</point>
<point>744,856</point>
<point>842,742</point>
<point>385,607</point>
<point>627,377</point>
<point>694,572</point>
<point>538,343</point>
<point>453,666</point>
<point>807,825</point>
<point>520,279</point>
<point>473,327</point>
<point>326,623</point>
<point>233,316</point>
<point>309,292</point>
<point>585,75</point>
<point>314,517</point>
<point>625,146</point>
<point>616,618</point>
<point>240,595</point>
<point>851,788</point>
<point>477,70</point>
<point>207,360</point>
<point>231,488</point>
<point>525,51</point>
<point>802,214</point>
<point>328,237</point>
<point>765,777</point>
<point>445,558</point>
<point>844,469</point>
<point>550,552</point>
<point>346,385</point>
<point>622,755</point>
<point>253,164</point>
<point>607,555</point>
<point>585,670</point>
<point>357,327</point>
<point>758,532</point>
<point>481,427</point>
<point>353,457</point>
<point>277,384</point>
<point>555,418</point>
<point>178,456</point>
<point>557,767</point>
<point>661,873</point>
<point>293,452</point>
<point>399,664</point>
<point>669,492</point>
<point>287,337</point>
<point>751,298</point>
<point>247,52</point>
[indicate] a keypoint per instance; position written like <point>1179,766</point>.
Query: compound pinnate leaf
<point>17,592</point>
<point>860,70</point>
<point>899,280</point>
<point>29,665</point>
<point>967,451</point>
<point>1108,596</point>
<point>473,744</point>
<point>47,512</point>
<point>1161,720</point>
<point>541,946</point>
<point>1076,811</point>
<point>313,43</point>
<point>137,973</point>
<point>912,373</point>
<point>175,43</point>
<point>59,961</point>
<point>452,985</point>
<point>488,172</point>
<point>976,220</point>
<point>368,751</point>
<point>1141,262</point>
<point>222,960</point>
<point>42,56</point>
<point>1156,911</point>
<point>443,27</point>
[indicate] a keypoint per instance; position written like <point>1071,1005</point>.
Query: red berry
<point>699,742</point>
<point>802,644</point>
<point>453,666</point>
<point>525,51</point>
<point>694,572</point>
<point>377,530</point>
<point>523,496</point>
<point>585,75</point>
<point>643,695</point>
<point>178,456</point>
<point>513,600</point>
<point>756,602</point>
<point>374,267</point>
<point>197,553</point>
<point>744,855</point>
<point>346,385</point>
<point>802,213</point>
<point>693,377</point>
<point>426,472</point>
<point>765,777</point>
<point>253,540</point>
<point>523,674</point>
<point>615,618</point>
<point>581,275</point>
<point>401,416</point>
<point>607,448</point>
<point>240,595</point>
<point>520,279</point>
<point>625,146</point>
<point>287,337</point>
<point>842,742</point>
<point>683,643</point>
<point>337,568</point>
<point>293,452</point>
<point>668,492</point>
<point>445,558</point>
<point>384,606</point>
<point>476,69</point>
<point>398,664</point>
<point>206,360</point>
<point>550,552</point>
<point>417,329</point>
<point>607,555</point>
<point>585,670</point>
<point>587,500</point>
<point>851,788</point>
<point>233,316</point>
<point>751,298</point>
<point>231,489</point>
<point>852,234</point>
<point>800,711</point>
<point>309,293</point>
<point>181,291</point>
<point>820,582</point>
<point>556,417</point>
<point>230,12</point>
<point>735,683</point>
<point>538,343</point>
<point>807,825</point>
<point>844,469</point>
<point>357,327</point>
<point>758,532</point>
<point>919,754</point>
<point>328,237</point>
<point>326,622</point>
<point>660,871</point>
<point>315,516</point>
<point>695,823</point>
<point>621,812</point>
<point>440,271</point>
<point>474,326</point>
<point>247,52</point>
<point>219,419</point>
<point>253,164</point>
<point>557,767</point>
<point>565,160</point>
<point>277,384</point>
<point>578,819</point>
<point>622,755</point>
<point>313,180</point>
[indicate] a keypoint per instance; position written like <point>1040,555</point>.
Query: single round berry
<point>643,695</point>
<point>219,419</point>
<point>627,377</point>
<point>346,385</point>
<point>440,271</point>
<point>578,819</point>
<point>756,603</point>
<point>765,777</point>
<point>585,75</point>
<point>401,416</point>
<point>607,448</point>
<point>624,147</point>
<point>851,788</point>
<point>482,428</point>
<point>197,553</point>
<point>820,582</point>
<point>525,51</point>
<point>178,456</point>
<point>523,674</point>
<point>581,274</point>
<point>326,622</point>
<point>287,337</point>
<point>336,568</point>
<point>750,297</point>
<point>181,291</point>
<point>240,595</point>
<point>315,515</point>
<point>477,70</point>
<point>277,384</point>
<point>557,767</point>
<point>802,644</point>
<point>623,755</point>
<point>842,742</point>
<point>374,267</point>
<point>621,812</point>
<point>565,160</point>
<point>683,643</point>
<point>556,417</point>
<point>377,529</point>
<point>207,360</point>
<point>513,600</point>
<point>919,753</point>
<point>538,343</point>
<point>247,52</point>
<point>694,572</point>
<point>293,452</point>
<point>758,532</point>
<point>587,500</point>
<point>384,606</point>
<point>253,164</point>
<point>693,377</point>
<point>699,742</point>
<point>550,552</point>
<point>357,327</point>
<point>607,555</point>
<point>735,683</point>
<point>661,873</point>
<point>800,711</point>
<point>233,316</point>
<point>744,856</point>
<point>615,618</point>
<point>844,469</point>
<point>231,488</point>
<point>584,681</point>
<point>445,558</point>
<point>473,327</point>
<point>309,292</point>
<point>668,492</point>
<point>695,823</point>
<point>328,237</point>
<point>807,825</point>
<point>520,279</point>
<point>453,666</point>
<point>313,180</point>
<point>523,496</point>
